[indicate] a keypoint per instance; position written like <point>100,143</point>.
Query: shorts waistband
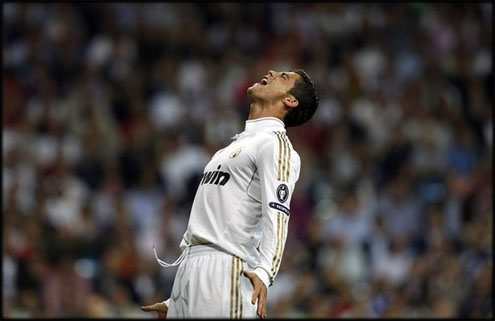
<point>193,250</point>
<point>205,249</point>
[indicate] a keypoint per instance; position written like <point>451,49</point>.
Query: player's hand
<point>160,308</point>
<point>259,293</point>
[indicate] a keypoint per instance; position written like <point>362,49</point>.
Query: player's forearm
<point>272,246</point>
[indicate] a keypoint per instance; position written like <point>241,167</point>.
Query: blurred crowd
<point>111,111</point>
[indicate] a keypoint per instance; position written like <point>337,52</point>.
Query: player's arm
<point>278,169</point>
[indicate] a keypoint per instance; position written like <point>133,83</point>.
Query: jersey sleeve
<point>278,167</point>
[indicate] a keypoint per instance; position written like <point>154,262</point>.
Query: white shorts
<point>210,283</point>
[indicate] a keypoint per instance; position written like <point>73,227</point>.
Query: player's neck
<point>258,110</point>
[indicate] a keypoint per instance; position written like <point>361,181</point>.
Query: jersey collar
<point>264,124</point>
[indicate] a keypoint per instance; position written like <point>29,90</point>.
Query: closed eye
<point>285,76</point>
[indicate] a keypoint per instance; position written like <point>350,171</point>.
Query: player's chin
<point>252,89</point>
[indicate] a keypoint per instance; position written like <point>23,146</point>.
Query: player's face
<point>273,86</point>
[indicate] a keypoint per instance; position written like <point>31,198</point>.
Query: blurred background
<point>111,110</point>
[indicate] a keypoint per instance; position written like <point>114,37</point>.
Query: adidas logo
<point>216,177</point>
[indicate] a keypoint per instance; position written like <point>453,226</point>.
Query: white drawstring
<point>177,262</point>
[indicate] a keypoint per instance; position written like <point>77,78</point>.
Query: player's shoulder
<point>286,144</point>
<point>276,140</point>
<point>281,136</point>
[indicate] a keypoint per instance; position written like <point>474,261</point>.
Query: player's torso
<point>227,206</point>
<point>236,161</point>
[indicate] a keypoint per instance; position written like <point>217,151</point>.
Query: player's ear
<point>290,101</point>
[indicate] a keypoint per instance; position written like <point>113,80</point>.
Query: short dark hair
<point>305,92</point>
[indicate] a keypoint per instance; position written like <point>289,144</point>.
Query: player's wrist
<point>167,301</point>
<point>263,275</point>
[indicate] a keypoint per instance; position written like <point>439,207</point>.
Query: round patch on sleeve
<point>282,193</point>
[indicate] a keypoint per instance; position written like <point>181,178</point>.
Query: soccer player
<point>235,238</point>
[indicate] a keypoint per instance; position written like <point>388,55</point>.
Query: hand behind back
<point>160,308</point>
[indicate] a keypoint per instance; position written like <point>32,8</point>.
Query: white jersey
<point>242,205</point>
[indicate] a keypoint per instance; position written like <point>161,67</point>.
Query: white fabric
<point>210,283</point>
<point>242,203</point>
